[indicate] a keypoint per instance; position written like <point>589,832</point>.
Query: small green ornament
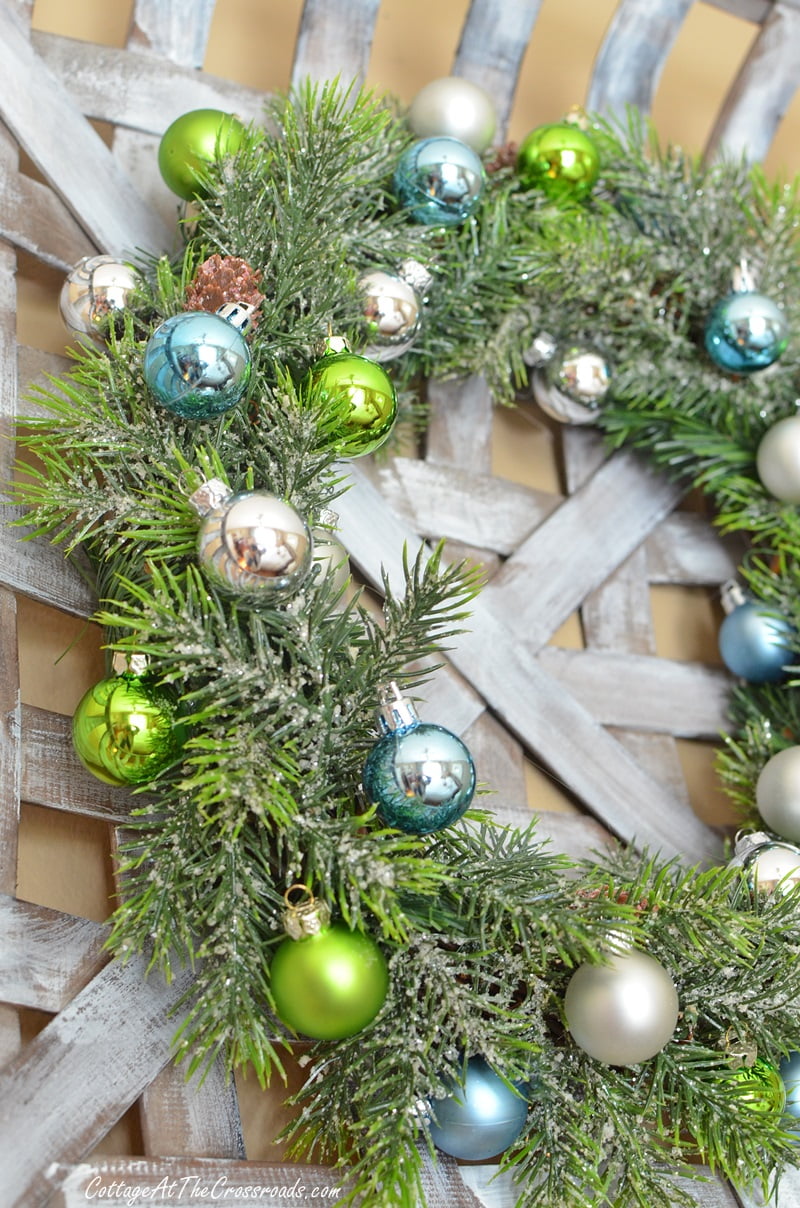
<point>560,160</point>
<point>194,141</point>
<point>328,982</point>
<point>363,394</point>
<point>761,1087</point>
<point>124,729</point>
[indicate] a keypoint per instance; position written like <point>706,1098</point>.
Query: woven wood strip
<point>631,59</point>
<point>46,957</point>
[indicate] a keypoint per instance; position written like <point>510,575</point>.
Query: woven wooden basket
<point>603,716</point>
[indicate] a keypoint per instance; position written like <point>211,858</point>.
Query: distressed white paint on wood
<point>459,429</point>
<point>763,90</point>
<point>685,549</point>
<point>493,42</point>
<point>632,57</point>
<point>38,569</point>
<point>177,30</point>
<point>48,124</point>
<point>33,368</point>
<point>46,957</point>
<point>34,219</point>
<point>787,1194</point>
<point>334,39</point>
<point>79,1075</point>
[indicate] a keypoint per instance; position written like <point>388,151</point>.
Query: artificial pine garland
<point>481,928</point>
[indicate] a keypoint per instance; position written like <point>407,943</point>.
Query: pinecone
<point>221,279</point>
<point>504,157</point>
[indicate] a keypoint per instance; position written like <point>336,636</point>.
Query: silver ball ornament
<point>254,545</point>
<point>572,384</point>
<point>622,1012</point>
<point>778,793</point>
<point>768,865</point>
<point>392,310</point>
<point>778,460</point>
<point>457,107</point>
<point>93,289</point>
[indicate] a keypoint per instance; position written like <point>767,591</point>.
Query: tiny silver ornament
<point>93,289</point>
<point>769,864</point>
<point>778,793</point>
<point>571,384</point>
<point>393,311</point>
<point>456,107</point>
<point>251,544</point>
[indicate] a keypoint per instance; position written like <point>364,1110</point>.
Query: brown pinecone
<point>221,279</point>
<point>505,157</point>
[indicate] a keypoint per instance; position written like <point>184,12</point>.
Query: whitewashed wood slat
<point>136,90</point>
<point>494,39</point>
<point>47,123</point>
<point>762,91</point>
<point>630,61</point>
<point>576,835</point>
<point>686,550</point>
<point>199,1118</point>
<point>175,29</point>
<point>53,776</point>
<point>787,1194</point>
<point>36,568</point>
<point>33,368</point>
<point>79,1075</point>
<point>334,40</point>
<point>34,219</point>
<point>46,957</point>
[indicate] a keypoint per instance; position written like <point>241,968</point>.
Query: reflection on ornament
<point>622,1012</point>
<point>455,107</point>
<point>124,729</point>
<point>760,1087</point>
<point>392,311</point>
<point>754,642</point>
<point>439,181</point>
<point>480,1118</point>
<point>327,981</point>
<point>572,384</point>
<point>95,288</point>
<point>778,793</point>
<point>746,331</point>
<point>361,393</point>
<point>560,160</point>
<point>419,776</point>
<point>767,863</point>
<point>197,364</point>
<point>251,544</point>
<point>193,142</point>
<point>778,460</point>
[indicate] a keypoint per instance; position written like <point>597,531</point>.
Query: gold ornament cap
<point>304,916</point>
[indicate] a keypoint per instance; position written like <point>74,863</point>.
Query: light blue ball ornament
<point>197,364</point>
<point>790,1074</point>
<point>754,643</point>
<point>746,331</point>
<point>419,776</point>
<point>480,1119</point>
<point>439,181</point>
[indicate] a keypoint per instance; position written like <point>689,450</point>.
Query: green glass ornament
<point>761,1087</point>
<point>124,729</point>
<point>560,160</point>
<point>363,395</point>
<point>328,982</point>
<point>191,143</point>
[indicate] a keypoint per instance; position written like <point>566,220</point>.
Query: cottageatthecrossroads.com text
<point>193,1189</point>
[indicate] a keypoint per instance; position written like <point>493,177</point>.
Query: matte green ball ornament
<point>193,142</point>
<point>124,729</point>
<point>560,160</point>
<point>362,394</point>
<point>327,981</point>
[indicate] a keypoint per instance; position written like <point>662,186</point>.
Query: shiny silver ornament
<point>393,311</point>
<point>768,864</point>
<point>572,384</point>
<point>778,793</point>
<point>456,107</point>
<point>778,460</point>
<point>251,544</point>
<point>622,1012</point>
<point>93,289</point>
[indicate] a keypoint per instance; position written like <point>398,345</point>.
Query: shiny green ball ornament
<point>327,981</point>
<point>761,1087</point>
<point>124,729</point>
<point>362,394</point>
<point>193,142</point>
<point>560,160</point>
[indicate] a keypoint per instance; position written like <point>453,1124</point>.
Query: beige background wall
<point>64,861</point>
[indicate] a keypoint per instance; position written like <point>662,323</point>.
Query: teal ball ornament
<point>746,331</point>
<point>560,160</point>
<point>479,1119</point>
<point>197,364</point>
<point>439,181</point>
<point>193,142</point>
<point>754,643</point>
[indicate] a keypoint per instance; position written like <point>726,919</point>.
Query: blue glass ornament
<point>790,1073</point>
<point>754,643</point>
<point>439,181</point>
<point>480,1119</point>
<point>746,331</point>
<point>419,776</point>
<point>197,364</point>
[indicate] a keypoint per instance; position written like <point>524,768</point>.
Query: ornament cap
<point>304,916</point>
<point>128,664</point>
<point>542,350</point>
<point>328,518</point>
<point>397,712</point>
<point>731,596</point>
<point>415,274</point>
<point>334,344</point>
<point>743,278</point>
<point>209,496</point>
<point>238,314</point>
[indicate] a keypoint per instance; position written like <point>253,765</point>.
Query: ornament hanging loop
<point>305,916</point>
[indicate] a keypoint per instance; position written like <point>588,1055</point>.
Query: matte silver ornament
<point>254,544</point>
<point>93,289</point>
<point>622,1012</point>
<point>778,460</point>
<point>392,310</point>
<point>456,107</point>
<point>778,793</point>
